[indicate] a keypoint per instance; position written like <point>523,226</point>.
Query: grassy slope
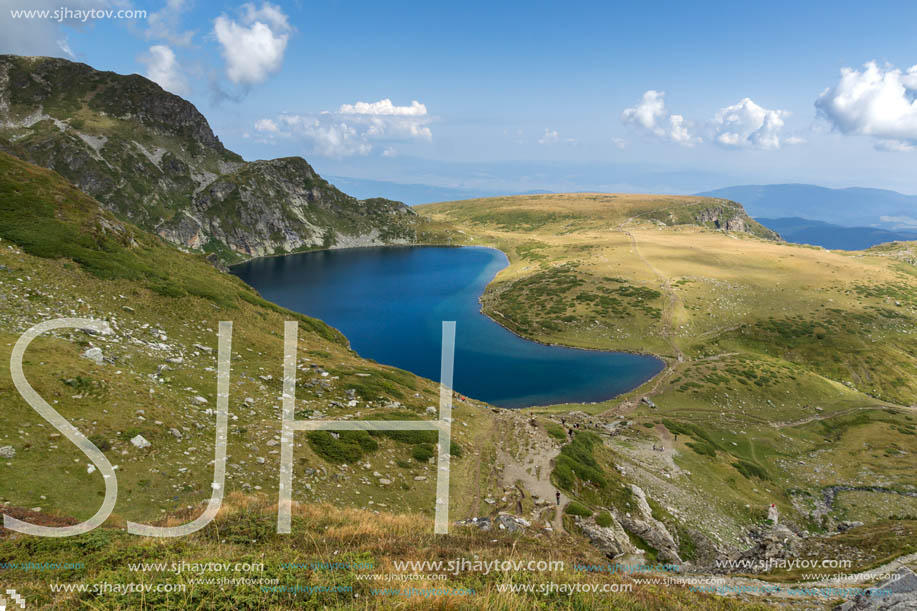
<point>60,255</point>
<point>786,359</point>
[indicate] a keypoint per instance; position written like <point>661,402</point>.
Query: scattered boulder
<point>483,523</point>
<point>511,523</point>
<point>176,433</point>
<point>95,355</point>
<point>648,401</point>
<point>140,443</point>
<point>7,452</point>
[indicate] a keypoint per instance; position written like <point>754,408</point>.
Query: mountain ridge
<point>151,157</point>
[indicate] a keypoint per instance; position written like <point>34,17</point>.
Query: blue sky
<point>674,96</point>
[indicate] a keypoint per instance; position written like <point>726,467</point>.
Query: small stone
<point>139,442</point>
<point>7,452</point>
<point>94,355</point>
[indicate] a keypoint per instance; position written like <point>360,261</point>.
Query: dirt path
<point>531,468</point>
<point>667,289</point>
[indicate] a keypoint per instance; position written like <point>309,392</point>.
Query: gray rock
<point>95,355</point>
<point>651,530</point>
<point>140,443</point>
<point>610,540</point>
<point>511,523</point>
<point>7,452</point>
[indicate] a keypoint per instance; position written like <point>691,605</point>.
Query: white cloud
<point>162,68</point>
<point>747,125</point>
<point>550,137</point>
<point>164,24</point>
<point>253,47</point>
<point>384,108</point>
<point>651,115</point>
<point>384,120</point>
<point>354,129</point>
<point>64,45</point>
<point>880,102</point>
<point>266,125</point>
<point>620,143</point>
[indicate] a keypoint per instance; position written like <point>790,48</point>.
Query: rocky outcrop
<point>150,157</point>
<point>719,214</point>
<point>771,545</point>
<point>611,540</point>
<point>642,524</point>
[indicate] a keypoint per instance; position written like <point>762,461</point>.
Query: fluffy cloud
<point>652,116</point>
<point>384,120</point>
<point>747,125</point>
<point>162,68</point>
<point>880,102</point>
<point>254,46</point>
<point>354,129</point>
<point>164,24</point>
<point>384,108</point>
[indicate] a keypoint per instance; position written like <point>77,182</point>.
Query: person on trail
<point>557,494</point>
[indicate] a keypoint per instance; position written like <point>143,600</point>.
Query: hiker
<point>557,494</point>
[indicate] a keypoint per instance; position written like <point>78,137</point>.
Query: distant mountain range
<point>414,194</point>
<point>834,237</point>
<point>851,207</point>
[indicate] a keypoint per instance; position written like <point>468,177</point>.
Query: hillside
<point>850,207</point>
<point>151,158</point>
<point>791,369</point>
<point>364,502</point>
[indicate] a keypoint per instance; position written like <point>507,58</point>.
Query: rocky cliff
<point>150,157</point>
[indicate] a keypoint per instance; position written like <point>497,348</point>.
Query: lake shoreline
<point>659,364</point>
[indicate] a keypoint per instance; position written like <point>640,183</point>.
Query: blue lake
<point>390,303</point>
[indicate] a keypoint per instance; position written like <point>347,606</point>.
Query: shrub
<point>556,431</point>
<point>575,508</point>
<point>347,448</point>
<point>604,519</point>
<point>749,470</point>
<point>422,452</point>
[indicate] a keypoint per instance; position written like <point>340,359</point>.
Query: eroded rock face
<point>151,157</point>
<point>610,540</point>
<point>644,525</point>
